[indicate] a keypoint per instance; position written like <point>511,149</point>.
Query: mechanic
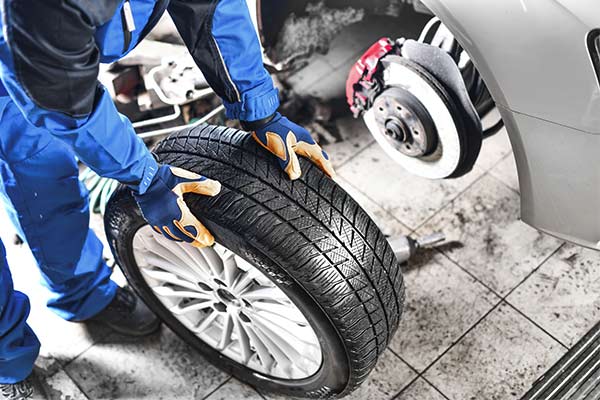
<point>53,112</point>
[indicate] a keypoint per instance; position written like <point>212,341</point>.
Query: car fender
<point>535,59</point>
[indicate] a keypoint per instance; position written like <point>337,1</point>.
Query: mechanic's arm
<point>221,37</point>
<point>51,75</point>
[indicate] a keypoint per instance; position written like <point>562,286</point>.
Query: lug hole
<point>220,307</point>
<point>244,318</point>
<point>226,296</point>
<point>220,282</point>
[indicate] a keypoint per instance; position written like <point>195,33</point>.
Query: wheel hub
<point>394,129</point>
<point>230,305</point>
<point>405,123</point>
<point>227,298</point>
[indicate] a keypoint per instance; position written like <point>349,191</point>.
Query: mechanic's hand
<point>165,210</point>
<point>286,140</point>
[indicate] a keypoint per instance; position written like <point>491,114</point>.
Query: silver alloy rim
<point>230,305</point>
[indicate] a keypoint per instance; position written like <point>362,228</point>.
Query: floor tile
<point>420,390</point>
<point>442,303</point>
<point>495,246</point>
<point>159,367</point>
<point>410,199</point>
<point>58,386</point>
<point>354,137</point>
<point>506,171</point>
<point>562,296</point>
<point>235,389</point>
<point>497,360</point>
<point>388,378</point>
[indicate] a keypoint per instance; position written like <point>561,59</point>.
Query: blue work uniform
<point>53,109</point>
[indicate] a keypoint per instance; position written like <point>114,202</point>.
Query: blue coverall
<point>52,110</point>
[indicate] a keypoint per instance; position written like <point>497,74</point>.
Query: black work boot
<point>128,315</point>
<point>16,391</point>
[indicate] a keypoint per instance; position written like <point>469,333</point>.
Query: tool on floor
<point>405,247</point>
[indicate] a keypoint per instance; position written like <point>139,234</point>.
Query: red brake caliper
<point>361,87</point>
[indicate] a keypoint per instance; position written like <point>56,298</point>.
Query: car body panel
<point>534,58</point>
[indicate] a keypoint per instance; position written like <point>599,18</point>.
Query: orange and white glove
<point>165,210</point>
<point>287,140</point>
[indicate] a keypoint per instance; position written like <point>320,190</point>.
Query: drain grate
<point>576,376</point>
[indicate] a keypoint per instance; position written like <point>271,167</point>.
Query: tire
<point>309,237</point>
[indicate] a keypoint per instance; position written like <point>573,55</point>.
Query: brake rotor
<point>405,123</point>
<point>431,141</point>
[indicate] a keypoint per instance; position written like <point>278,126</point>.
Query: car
<point>302,292</point>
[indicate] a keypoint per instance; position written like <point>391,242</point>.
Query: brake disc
<point>429,110</point>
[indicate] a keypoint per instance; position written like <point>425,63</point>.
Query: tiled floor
<point>485,315</point>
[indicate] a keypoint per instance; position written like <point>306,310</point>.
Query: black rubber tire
<point>309,236</point>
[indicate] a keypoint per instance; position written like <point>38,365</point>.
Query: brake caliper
<point>361,86</point>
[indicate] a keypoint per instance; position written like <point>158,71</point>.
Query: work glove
<point>287,141</point>
<point>165,210</point>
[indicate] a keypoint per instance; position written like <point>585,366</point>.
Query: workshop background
<point>486,313</point>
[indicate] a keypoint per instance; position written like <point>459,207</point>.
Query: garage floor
<point>485,315</point>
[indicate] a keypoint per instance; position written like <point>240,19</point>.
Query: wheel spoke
<point>278,354</point>
<point>223,252</point>
<point>212,260</point>
<point>285,336</point>
<point>166,291</point>
<point>244,281</point>
<point>206,322</point>
<point>163,264</point>
<point>198,260</point>
<point>192,306</point>
<point>230,270</point>
<point>270,293</point>
<point>290,314</point>
<point>177,252</point>
<point>169,277</point>
<point>243,340</point>
<point>226,334</point>
<point>264,354</point>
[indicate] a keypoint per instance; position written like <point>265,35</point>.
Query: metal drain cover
<point>576,376</point>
